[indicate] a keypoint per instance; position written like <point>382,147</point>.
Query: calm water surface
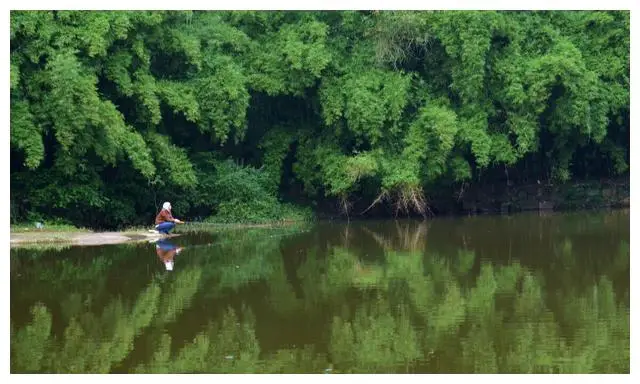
<point>522,294</point>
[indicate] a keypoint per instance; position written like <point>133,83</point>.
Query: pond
<point>528,293</point>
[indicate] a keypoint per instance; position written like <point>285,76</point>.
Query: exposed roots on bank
<point>404,200</point>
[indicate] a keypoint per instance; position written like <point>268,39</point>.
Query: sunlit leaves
<point>291,59</point>
<point>430,139</point>
<point>338,172</point>
<point>81,116</point>
<point>181,98</point>
<point>466,37</point>
<point>25,134</point>
<point>276,145</point>
<point>177,40</point>
<point>117,70</point>
<point>221,91</point>
<point>32,30</point>
<point>370,102</point>
<point>14,73</point>
<point>408,99</point>
<point>173,161</point>
<point>145,90</point>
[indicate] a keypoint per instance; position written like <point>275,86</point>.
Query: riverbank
<point>79,238</point>
<point>26,236</point>
<point>507,198</point>
<point>479,199</point>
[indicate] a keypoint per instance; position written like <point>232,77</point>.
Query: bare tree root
<point>404,200</point>
<point>381,197</point>
<point>411,199</point>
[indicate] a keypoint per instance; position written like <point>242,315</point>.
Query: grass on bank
<point>46,227</point>
<point>230,214</point>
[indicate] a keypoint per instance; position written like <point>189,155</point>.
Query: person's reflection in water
<point>166,252</point>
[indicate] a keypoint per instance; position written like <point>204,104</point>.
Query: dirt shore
<point>34,237</point>
<point>81,238</point>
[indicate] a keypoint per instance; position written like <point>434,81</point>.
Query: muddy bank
<point>82,238</point>
<point>499,198</point>
<point>507,198</point>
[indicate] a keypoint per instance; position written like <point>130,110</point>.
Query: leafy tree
<point>120,108</point>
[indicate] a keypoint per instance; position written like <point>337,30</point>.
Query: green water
<point>521,294</point>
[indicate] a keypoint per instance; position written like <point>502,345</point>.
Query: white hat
<point>166,205</point>
<point>169,265</point>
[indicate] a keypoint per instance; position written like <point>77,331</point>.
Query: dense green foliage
<point>114,112</point>
<point>405,311</point>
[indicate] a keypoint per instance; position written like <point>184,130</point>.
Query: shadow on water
<point>521,294</point>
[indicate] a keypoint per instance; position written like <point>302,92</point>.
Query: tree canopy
<point>114,110</point>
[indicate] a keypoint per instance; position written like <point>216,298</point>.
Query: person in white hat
<point>165,221</point>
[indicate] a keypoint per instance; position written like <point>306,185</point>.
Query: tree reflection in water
<point>414,311</point>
